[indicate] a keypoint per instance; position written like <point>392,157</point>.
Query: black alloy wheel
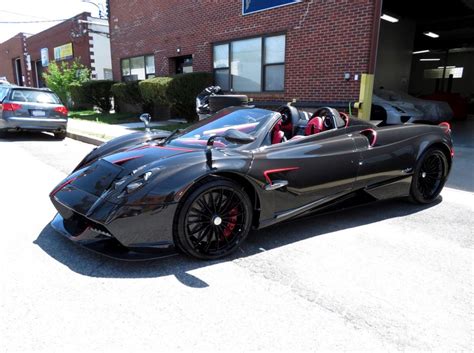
<point>429,177</point>
<point>214,220</point>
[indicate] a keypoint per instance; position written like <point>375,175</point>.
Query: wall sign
<point>44,57</point>
<point>251,6</point>
<point>63,52</point>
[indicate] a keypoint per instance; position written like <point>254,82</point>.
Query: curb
<point>84,138</point>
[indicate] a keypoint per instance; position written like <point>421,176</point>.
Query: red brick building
<point>24,58</point>
<point>300,51</point>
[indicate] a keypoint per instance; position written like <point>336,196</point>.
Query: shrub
<point>153,90</point>
<point>127,92</point>
<point>98,92</point>
<point>78,98</point>
<point>59,77</point>
<point>182,92</point>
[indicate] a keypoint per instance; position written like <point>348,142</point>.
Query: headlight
<point>137,184</point>
<point>134,182</point>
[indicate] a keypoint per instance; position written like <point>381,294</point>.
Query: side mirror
<point>239,137</point>
<point>146,118</point>
<point>233,136</point>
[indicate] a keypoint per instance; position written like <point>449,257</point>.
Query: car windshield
<point>31,96</point>
<point>246,120</point>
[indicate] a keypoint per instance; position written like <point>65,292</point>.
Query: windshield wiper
<point>170,137</point>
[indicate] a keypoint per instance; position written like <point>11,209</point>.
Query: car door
<point>389,159</point>
<point>299,175</point>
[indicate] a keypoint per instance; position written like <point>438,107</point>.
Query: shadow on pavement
<point>15,136</point>
<point>462,173</point>
<point>87,263</point>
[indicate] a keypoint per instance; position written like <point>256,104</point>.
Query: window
<point>32,96</point>
<point>251,65</point>
<point>138,68</point>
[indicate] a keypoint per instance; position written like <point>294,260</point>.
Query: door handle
<point>277,184</point>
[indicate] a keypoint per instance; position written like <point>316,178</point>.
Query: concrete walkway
<point>98,133</point>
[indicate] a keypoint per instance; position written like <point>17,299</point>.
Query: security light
<point>389,18</point>
<point>431,34</point>
<point>421,51</point>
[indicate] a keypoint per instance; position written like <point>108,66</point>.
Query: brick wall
<point>325,38</point>
<point>9,51</point>
<point>70,31</point>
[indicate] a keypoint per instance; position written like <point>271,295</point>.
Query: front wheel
<point>214,220</point>
<point>430,176</point>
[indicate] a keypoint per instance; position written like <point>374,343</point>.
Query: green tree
<point>60,76</point>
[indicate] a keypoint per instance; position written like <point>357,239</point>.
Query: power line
<point>23,15</point>
<point>45,21</point>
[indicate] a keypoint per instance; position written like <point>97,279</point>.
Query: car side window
<point>3,93</point>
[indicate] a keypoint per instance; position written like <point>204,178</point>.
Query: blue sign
<point>44,57</point>
<point>251,6</point>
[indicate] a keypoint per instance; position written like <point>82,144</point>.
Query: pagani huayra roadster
<point>200,191</point>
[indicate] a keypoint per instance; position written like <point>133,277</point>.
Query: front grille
<point>77,224</point>
<point>102,230</point>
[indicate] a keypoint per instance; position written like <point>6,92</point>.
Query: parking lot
<point>387,276</point>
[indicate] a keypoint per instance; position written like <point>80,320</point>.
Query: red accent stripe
<point>62,186</point>
<point>175,148</point>
<point>163,147</point>
<point>123,160</point>
<point>271,171</point>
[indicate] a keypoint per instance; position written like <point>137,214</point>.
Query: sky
<point>39,10</point>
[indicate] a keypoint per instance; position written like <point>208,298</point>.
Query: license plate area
<point>38,113</point>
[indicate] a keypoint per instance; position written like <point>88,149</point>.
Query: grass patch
<point>116,118</point>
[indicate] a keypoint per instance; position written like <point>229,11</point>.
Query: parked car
<point>32,109</point>
<point>201,190</point>
<point>394,107</point>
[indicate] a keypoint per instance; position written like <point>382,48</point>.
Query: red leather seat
<point>315,125</point>
<point>277,134</point>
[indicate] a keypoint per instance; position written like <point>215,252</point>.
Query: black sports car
<point>202,190</point>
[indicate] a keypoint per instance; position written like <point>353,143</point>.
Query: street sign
<point>252,6</point>
<point>28,62</point>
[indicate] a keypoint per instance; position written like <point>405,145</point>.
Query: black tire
<point>429,176</point>
<point>60,135</point>
<point>213,220</point>
<point>219,102</point>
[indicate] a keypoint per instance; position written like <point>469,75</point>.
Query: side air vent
<point>371,135</point>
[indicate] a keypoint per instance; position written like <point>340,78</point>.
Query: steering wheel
<point>285,116</point>
<point>331,117</point>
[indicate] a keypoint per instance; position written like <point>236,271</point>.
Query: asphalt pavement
<point>385,277</point>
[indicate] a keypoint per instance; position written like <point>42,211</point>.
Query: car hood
<point>147,154</point>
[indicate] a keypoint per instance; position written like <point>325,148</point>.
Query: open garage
<point>425,62</point>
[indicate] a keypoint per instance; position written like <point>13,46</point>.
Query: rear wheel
<point>429,177</point>
<point>61,135</point>
<point>214,220</point>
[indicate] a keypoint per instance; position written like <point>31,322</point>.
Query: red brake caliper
<point>232,222</point>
